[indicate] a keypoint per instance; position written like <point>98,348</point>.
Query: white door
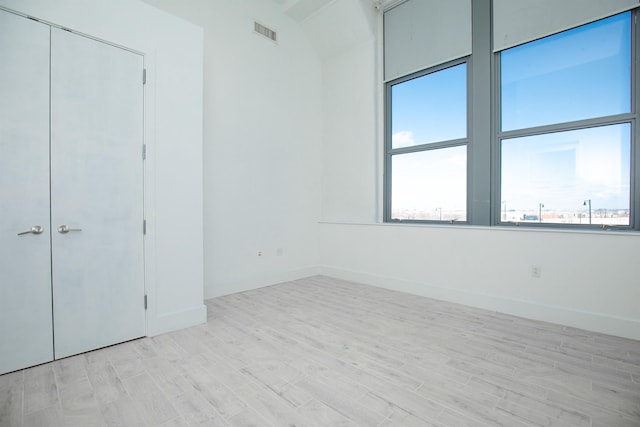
<point>25,263</point>
<point>96,193</point>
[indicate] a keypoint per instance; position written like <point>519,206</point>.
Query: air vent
<point>267,32</point>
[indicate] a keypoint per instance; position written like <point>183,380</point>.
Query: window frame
<point>389,151</point>
<point>485,136</point>
<point>631,117</point>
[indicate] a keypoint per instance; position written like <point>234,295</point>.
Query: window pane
<point>430,185</point>
<point>578,74</point>
<point>430,108</point>
<point>571,177</point>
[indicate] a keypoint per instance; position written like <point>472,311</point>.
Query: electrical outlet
<point>536,271</point>
<point>259,253</point>
<point>279,252</point>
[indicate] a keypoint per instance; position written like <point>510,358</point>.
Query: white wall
<point>350,155</point>
<point>173,134</point>
<point>351,100</point>
<point>589,280</point>
<point>262,135</point>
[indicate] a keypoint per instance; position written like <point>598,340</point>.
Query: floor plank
<point>326,352</point>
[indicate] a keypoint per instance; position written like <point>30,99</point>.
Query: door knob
<point>64,229</point>
<point>36,229</point>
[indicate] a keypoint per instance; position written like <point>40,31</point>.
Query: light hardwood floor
<point>325,352</point>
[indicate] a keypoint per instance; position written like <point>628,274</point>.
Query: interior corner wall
<point>262,136</point>
<point>173,135</point>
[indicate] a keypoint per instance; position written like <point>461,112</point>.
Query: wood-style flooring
<point>326,352</point>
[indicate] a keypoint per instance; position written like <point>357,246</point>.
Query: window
<point>566,127</point>
<point>539,133</point>
<point>571,177</point>
<point>427,146</point>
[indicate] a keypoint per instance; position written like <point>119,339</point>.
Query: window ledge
<point>498,228</point>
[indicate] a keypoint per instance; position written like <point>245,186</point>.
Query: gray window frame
<point>484,135</point>
<point>631,118</point>
<point>390,151</point>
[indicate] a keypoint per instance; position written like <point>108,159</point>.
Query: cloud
<point>402,139</point>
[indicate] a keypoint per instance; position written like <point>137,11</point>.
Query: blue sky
<point>432,108</point>
<point>578,74</point>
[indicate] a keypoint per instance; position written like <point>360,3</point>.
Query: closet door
<point>25,264</point>
<point>96,193</point>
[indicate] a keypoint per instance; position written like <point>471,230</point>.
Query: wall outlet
<point>536,271</point>
<point>260,253</point>
<point>279,252</point>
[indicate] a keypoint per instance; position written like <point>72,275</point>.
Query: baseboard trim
<point>178,320</point>
<point>567,316</point>
<point>260,281</point>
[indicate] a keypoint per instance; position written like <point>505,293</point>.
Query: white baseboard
<point>597,322</point>
<point>260,281</point>
<point>178,320</point>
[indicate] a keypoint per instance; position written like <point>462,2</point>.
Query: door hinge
<point>144,151</point>
<point>144,226</point>
<point>145,301</point>
<point>144,76</point>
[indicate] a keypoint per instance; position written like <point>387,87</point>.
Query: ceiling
<point>301,10</point>
<point>335,26</point>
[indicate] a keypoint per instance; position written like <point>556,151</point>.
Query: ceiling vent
<point>264,31</point>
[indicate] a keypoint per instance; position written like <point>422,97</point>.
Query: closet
<point>71,193</point>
